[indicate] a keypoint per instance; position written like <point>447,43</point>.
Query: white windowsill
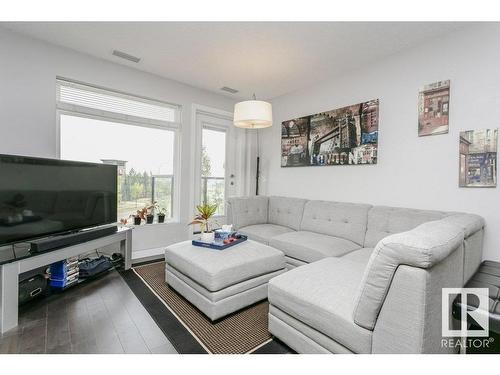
<point>168,223</point>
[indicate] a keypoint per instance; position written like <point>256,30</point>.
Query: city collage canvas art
<point>344,136</point>
<point>478,158</point>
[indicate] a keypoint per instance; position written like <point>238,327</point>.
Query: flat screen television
<point>42,197</point>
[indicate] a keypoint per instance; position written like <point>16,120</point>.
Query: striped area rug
<point>241,332</point>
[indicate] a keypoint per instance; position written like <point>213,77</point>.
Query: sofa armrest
<point>422,247</point>
<point>410,319</point>
<point>244,211</point>
<point>469,223</point>
<point>473,228</point>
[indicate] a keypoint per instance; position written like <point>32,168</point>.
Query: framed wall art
<point>344,136</point>
<point>434,108</point>
<point>478,158</point>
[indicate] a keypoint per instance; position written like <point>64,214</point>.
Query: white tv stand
<point>9,272</point>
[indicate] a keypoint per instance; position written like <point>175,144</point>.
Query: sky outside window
<point>148,154</point>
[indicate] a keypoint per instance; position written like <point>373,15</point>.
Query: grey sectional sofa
<point>362,279</point>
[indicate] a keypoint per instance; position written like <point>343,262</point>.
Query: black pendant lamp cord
<point>258,165</point>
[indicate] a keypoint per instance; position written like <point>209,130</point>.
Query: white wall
<point>411,171</point>
<point>28,70</point>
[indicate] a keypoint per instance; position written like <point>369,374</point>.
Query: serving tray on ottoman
<point>221,282</point>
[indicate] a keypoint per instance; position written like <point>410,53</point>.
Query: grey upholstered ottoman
<point>219,282</point>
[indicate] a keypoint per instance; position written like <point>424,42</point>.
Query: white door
<point>220,161</point>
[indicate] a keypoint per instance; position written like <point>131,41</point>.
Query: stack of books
<point>64,274</point>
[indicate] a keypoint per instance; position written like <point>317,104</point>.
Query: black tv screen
<point>41,197</point>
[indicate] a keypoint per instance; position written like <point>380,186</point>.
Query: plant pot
<point>137,221</point>
<point>161,218</point>
<point>149,219</point>
<point>208,237</point>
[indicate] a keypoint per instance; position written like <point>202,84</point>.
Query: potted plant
<point>137,219</point>
<point>149,212</point>
<point>145,213</point>
<point>161,215</point>
<point>124,220</point>
<point>204,219</point>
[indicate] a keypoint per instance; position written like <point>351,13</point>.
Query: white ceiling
<point>270,59</point>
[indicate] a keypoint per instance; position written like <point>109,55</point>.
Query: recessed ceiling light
<point>229,89</point>
<point>126,56</point>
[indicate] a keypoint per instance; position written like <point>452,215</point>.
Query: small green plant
<point>204,216</point>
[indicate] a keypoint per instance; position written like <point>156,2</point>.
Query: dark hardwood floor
<point>102,316</point>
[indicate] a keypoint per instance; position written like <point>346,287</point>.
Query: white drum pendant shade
<point>253,114</point>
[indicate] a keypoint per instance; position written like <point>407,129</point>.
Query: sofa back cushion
<point>245,211</point>
<point>384,221</point>
<point>338,219</point>
<point>286,211</point>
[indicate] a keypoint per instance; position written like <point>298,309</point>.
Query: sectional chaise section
<point>362,279</point>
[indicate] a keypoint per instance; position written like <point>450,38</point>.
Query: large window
<point>213,159</point>
<point>106,127</point>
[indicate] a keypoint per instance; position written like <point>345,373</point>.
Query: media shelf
<point>16,260</point>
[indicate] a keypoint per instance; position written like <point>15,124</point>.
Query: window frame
<point>89,113</point>
<point>225,130</point>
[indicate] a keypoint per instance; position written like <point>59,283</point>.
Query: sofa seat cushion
<point>264,232</point>
<point>361,256</point>
<point>310,247</point>
<point>323,295</point>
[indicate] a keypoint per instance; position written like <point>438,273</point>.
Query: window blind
<point>86,99</point>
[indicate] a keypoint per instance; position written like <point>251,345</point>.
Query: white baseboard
<point>148,254</point>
